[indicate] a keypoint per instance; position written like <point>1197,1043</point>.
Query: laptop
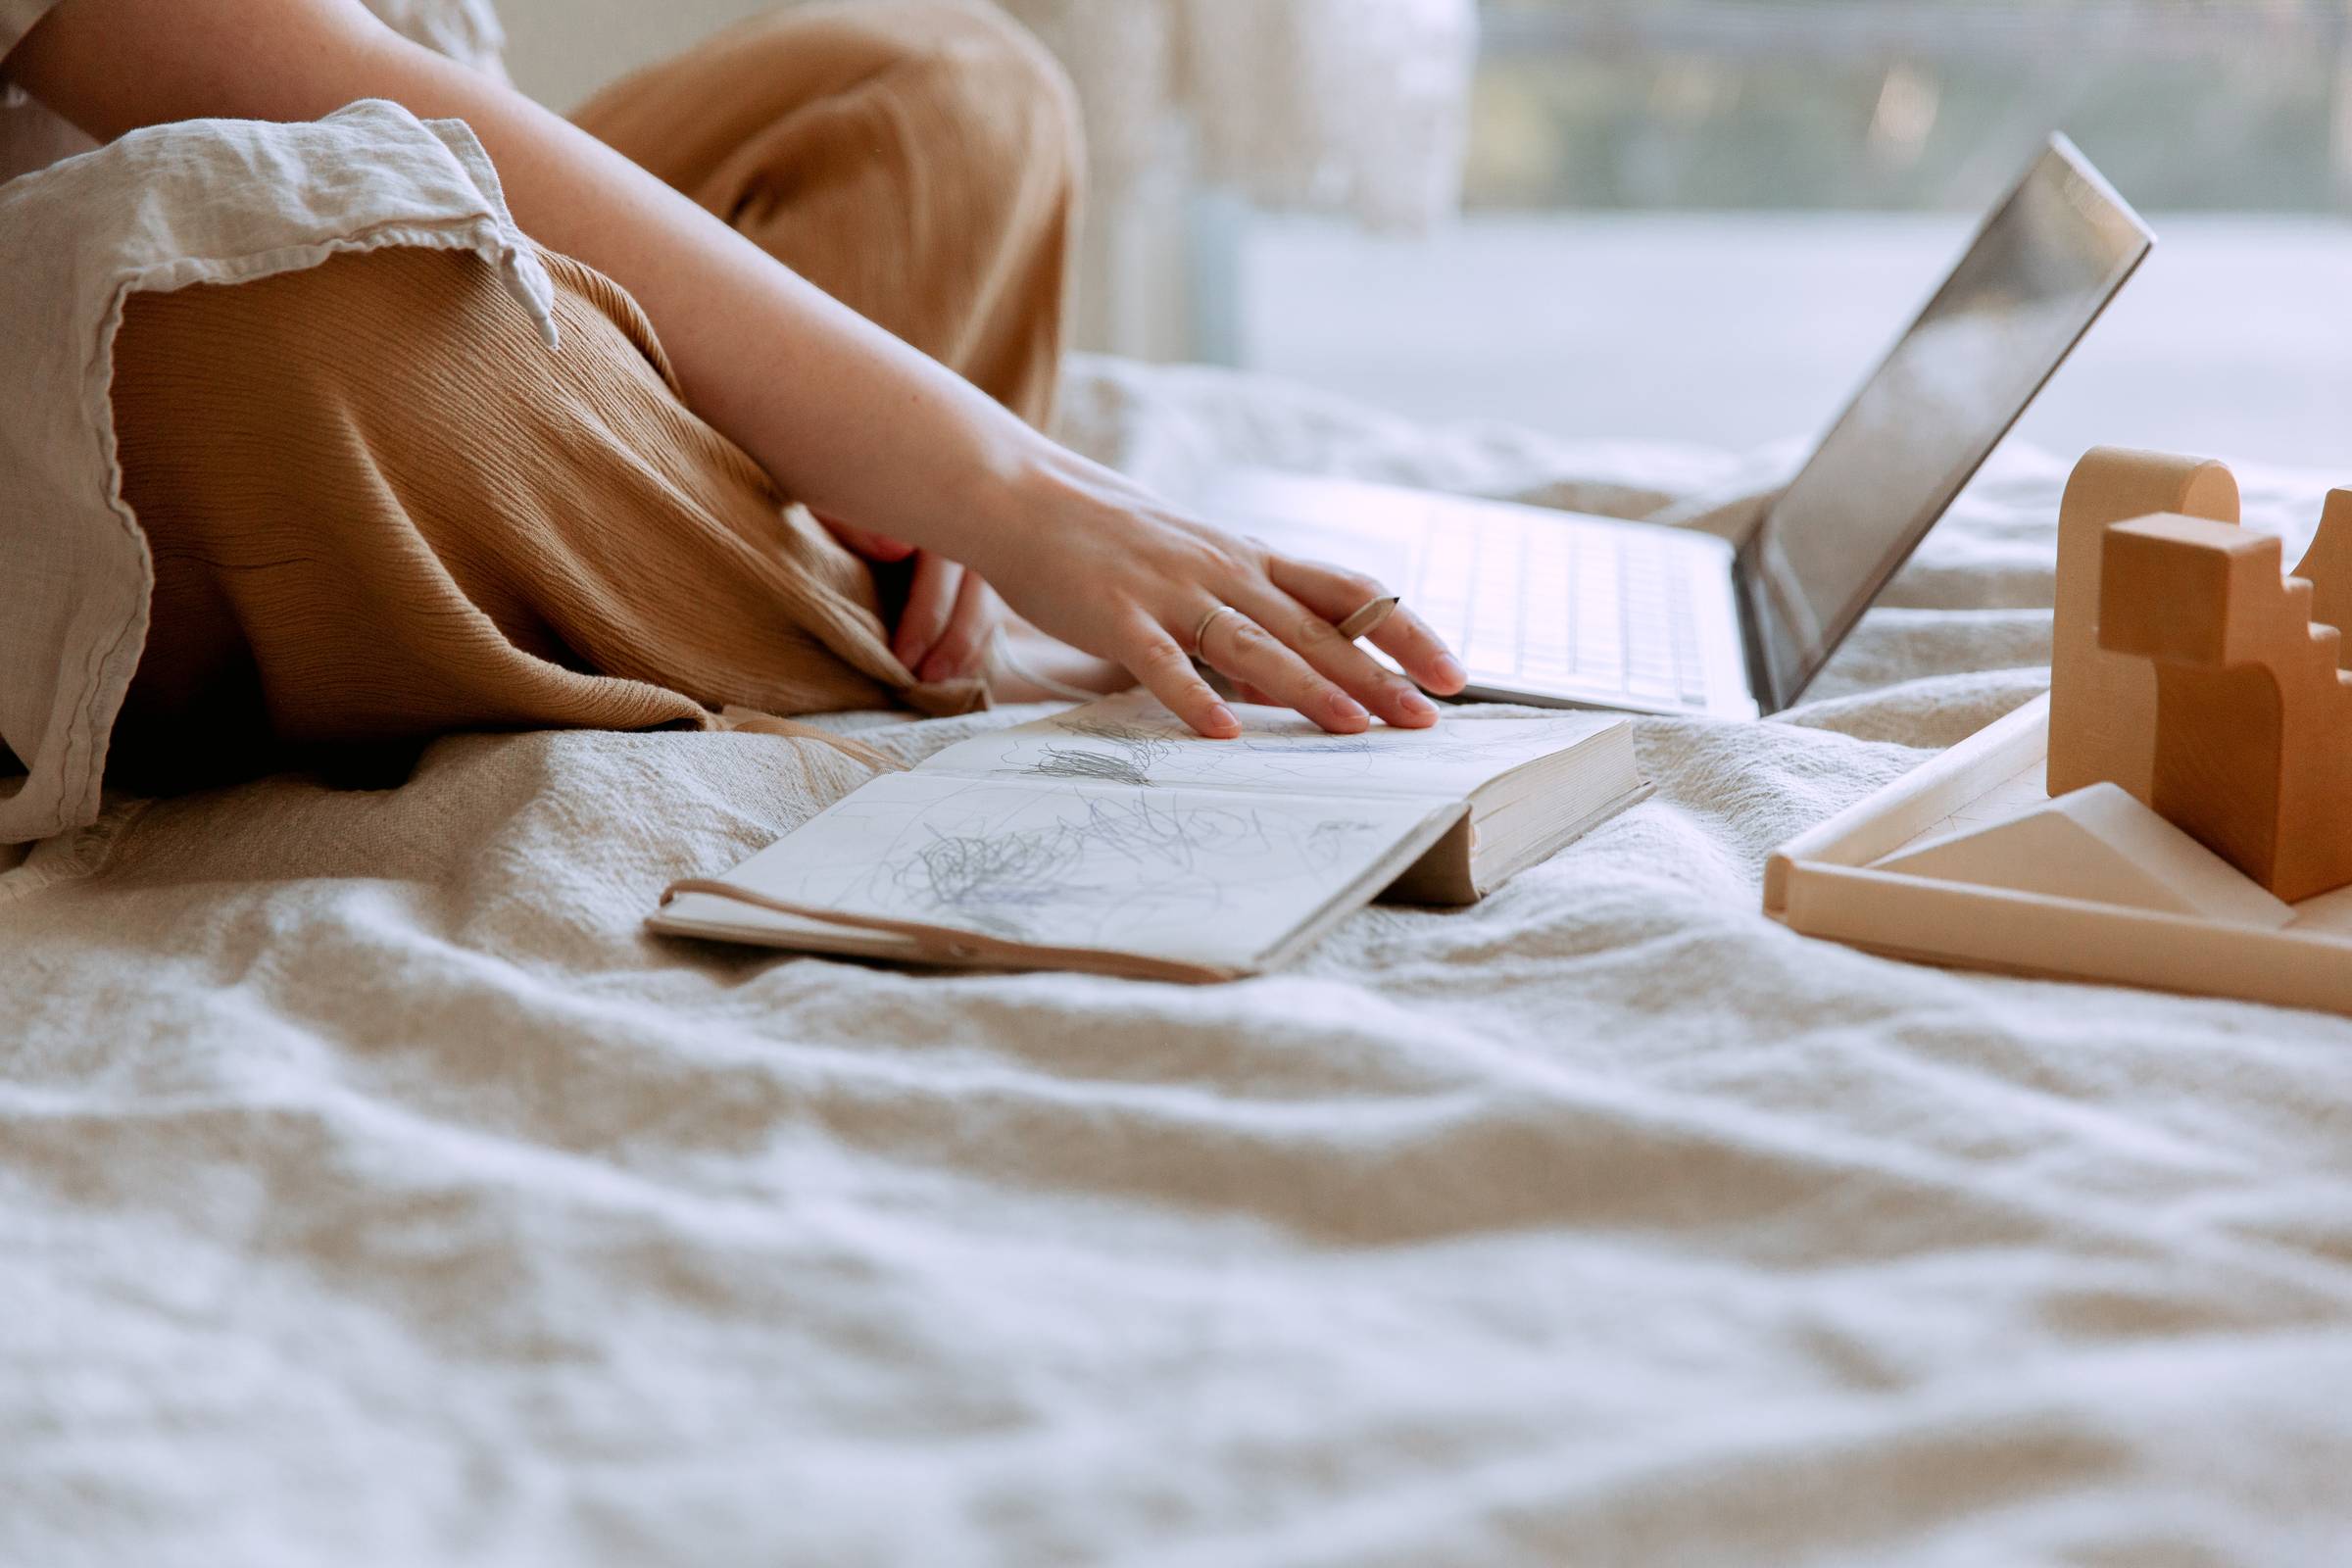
<point>1563,609</point>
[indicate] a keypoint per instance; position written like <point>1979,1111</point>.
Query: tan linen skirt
<point>380,508</point>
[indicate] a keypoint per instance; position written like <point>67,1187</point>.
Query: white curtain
<point>1358,107</point>
<point>1348,106</point>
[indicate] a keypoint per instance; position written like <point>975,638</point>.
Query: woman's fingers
<point>964,641</point>
<point>1338,661</point>
<point>1407,638</point>
<point>1335,595</point>
<point>1235,645</point>
<point>1166,672</point>
<point>930,600</point>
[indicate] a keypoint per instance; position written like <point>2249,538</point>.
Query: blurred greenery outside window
<point>2216,105</point>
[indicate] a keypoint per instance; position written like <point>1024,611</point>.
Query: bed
<point>374,1190</point>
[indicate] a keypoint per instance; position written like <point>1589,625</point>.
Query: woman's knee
<point>1001,107</point>
<point>994,78</point>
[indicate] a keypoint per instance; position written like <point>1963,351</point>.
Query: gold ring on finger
<point>1201,633</point>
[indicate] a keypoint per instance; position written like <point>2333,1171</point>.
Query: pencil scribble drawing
<point>1114,855</point>
<point>1060,761</point>
<point>991,880</point>
<point>1167,838</point>
<point>1309,744</point>
<point>1327,842</point>
<point>1128,762</point>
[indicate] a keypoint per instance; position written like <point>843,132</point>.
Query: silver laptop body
<point>1565,609</point>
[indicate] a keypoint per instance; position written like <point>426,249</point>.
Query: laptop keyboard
<point>1605,610</point>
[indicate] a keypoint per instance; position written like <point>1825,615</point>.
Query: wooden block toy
<point>2253,714</point>
<point>2101,845</point>
<point>2103,704</point>
<point>1834,881</point>
<point>2327,565</point>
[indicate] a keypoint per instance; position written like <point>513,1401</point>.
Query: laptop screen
<point>2042,268</point>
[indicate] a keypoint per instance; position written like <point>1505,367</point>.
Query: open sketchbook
<point>1111,838</point>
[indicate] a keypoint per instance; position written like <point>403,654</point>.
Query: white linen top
<point>162,209</point>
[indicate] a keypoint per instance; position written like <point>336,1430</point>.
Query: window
<point>1703,220</point>
<point>2205,105</point>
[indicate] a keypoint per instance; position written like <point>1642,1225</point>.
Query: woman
<point>375,489</point>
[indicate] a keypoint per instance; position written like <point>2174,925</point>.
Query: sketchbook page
<point>1214,878</point>
<point>1130,739</point>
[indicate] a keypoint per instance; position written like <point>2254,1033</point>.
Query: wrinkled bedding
<point>373,1191</point>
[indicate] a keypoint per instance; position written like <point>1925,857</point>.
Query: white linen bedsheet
<point>373,1191</point>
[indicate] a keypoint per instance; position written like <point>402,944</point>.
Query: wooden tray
<point>1825,884</point>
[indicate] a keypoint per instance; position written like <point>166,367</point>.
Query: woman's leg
<point>918,160</point>
<point>381,508</point>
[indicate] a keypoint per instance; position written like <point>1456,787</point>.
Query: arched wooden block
<point>2103,704</point>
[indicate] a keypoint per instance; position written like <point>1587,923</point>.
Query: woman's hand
<point>1095,560</point>
<point>950,615</point>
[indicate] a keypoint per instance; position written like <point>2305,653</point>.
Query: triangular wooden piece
<point>2102,846</point>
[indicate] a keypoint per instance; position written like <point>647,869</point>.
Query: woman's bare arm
<point>863,428</point>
